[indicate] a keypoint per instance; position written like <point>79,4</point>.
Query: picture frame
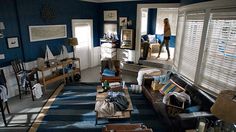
<point>47,32</point>
<point>110,28</point>
<point>12,42</point>
<point>123,21</point>
<point>110,15</point>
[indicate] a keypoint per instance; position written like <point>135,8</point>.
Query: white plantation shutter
<point>191,44</point>
<point>219,64</point>
<point>178,39</point>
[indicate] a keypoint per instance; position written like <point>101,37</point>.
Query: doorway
<point>150,29</point>
<point>82,29</point>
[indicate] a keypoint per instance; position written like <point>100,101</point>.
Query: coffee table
<point>119,114</point>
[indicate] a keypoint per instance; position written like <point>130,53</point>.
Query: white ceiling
<point>103,1</point>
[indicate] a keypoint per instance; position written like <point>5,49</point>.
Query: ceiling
<point>103,1</point>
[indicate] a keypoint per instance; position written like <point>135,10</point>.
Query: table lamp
<point>73,42</point>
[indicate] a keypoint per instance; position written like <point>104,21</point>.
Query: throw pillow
<point>152,39</point>
<point>136,89</point>
<point>108,72</point>
<point>171,86</point>
<point>193,109</point>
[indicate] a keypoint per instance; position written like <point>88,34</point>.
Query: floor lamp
<point>73,42</point>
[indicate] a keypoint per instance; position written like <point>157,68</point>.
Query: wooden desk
<point>118,114</point>
<point>58,72</point>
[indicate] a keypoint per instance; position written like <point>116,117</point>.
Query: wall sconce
<point>2,27</point>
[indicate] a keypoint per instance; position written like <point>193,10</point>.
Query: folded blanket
<point>108,72</point>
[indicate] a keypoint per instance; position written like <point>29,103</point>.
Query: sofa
<point>186,119</point>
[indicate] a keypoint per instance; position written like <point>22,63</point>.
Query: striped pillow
<point>170,87</point>
<point>136,89</point>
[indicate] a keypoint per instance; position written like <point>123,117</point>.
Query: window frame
<point>208,7</point>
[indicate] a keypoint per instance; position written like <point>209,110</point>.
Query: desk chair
<point>3,83</point>
<point>113,65</point>
<point>24,78</point>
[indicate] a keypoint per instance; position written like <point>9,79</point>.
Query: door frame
<point>138,23</point>
<point>90,22</point>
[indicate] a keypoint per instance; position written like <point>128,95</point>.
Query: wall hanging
<point>47,32</point>
<point>12,42</point>
<point>110,15</point>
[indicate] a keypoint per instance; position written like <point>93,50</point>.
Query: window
<point>178,39</point>
<point>219,64</point>
<point>171,14</point>
<point>191,44</point>
<point>144,21</point>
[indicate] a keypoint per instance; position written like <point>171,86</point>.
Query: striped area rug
<point>73,110</point>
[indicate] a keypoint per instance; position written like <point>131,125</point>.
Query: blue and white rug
<point>73,110</point>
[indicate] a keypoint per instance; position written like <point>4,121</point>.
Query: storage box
<point>156,86</point>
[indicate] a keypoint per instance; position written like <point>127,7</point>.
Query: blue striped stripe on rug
<point>73,110</point>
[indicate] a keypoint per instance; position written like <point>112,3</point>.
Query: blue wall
<point>8,16</point>
<point>152,18</point>
<point>17,15</point>
<point>124,9</point>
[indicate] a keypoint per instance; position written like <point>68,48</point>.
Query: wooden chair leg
<point>31,90</point>
<point>3,114</point>
<point>19,91</point>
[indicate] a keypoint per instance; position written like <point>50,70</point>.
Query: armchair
<point>110,70</point>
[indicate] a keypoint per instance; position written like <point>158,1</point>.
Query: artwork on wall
<point>47,32</point>
<point>110,28</point>
<point>110,15</point>
<point>12,42</point>
<point>123,21</point>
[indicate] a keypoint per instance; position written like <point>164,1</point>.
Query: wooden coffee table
<point>118,114</point>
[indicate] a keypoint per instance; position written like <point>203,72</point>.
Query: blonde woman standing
<point>167,34</point>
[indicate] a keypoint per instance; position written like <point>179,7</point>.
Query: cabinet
<point>59,71</point>
<point>126,40</point>
<point>108,50</point>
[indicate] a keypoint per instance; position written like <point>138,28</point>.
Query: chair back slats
<point>17,66</point>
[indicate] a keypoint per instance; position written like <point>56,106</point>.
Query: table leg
<point>96,121</point>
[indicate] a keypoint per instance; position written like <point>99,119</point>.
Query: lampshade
<point>2,26</point>
<point>73,41</point>
<point>225,106</point>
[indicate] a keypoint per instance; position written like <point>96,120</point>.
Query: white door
<point>83,30</point>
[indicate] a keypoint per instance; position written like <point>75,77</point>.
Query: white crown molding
<point>106,1</point>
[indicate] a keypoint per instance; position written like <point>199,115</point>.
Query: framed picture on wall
<point>110,15</point>
<point>123,21</point>
<point>47,32</point>
<point>12,42</point>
